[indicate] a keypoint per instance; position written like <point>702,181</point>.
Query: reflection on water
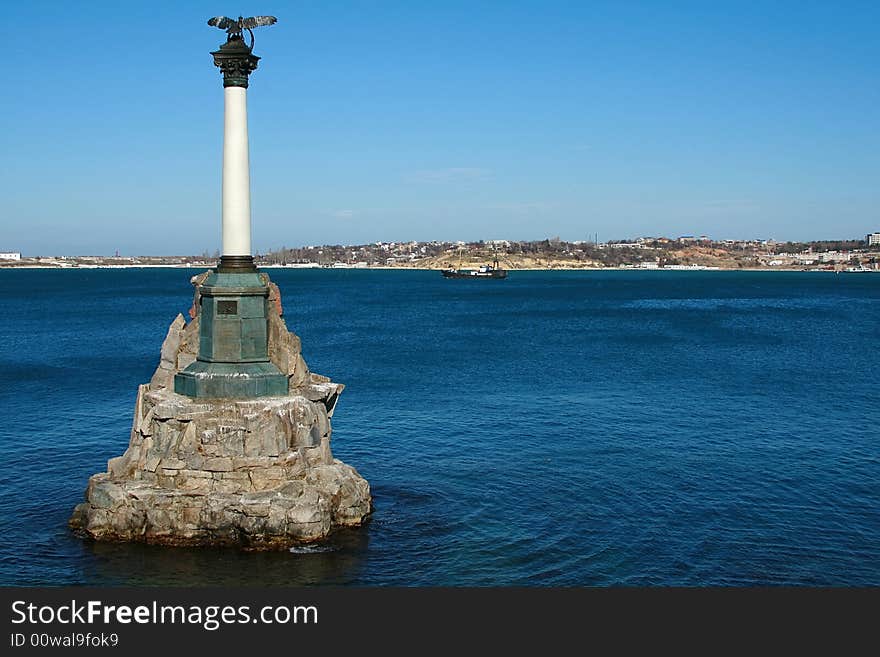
<point>335,561</point>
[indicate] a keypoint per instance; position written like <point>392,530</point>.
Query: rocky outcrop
<point>256,473</point>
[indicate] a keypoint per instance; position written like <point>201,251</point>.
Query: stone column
<point>236,175</point>
<point>236,61</point>
<point>233,360</point>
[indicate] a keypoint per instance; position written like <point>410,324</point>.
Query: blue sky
<point>455,120</point>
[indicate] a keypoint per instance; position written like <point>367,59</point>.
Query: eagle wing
<point>258,21</point>
<point>222,22</point>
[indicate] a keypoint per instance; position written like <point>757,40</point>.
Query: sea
<point>594,428</point>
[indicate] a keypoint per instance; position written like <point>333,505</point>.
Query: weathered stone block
<point>266,478</point>
<point>245,462</point>
<point>259,508</point>
<point>190,516</point>
<point>185,360</point>
<point>105,494</point>
<point>218,464</point>
<point>195,484</point>
<point>226,486</point>
<point>120,466</point>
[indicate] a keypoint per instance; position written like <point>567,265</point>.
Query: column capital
<point>236,61</point>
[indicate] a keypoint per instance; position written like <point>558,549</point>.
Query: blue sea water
<point>556,428</point>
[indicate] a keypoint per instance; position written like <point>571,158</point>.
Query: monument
<point>230,442</point>
<point>233,360</point>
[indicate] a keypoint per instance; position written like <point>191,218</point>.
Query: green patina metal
<point>236,61</point>
<point>233,359</point>
<point>230,381</point>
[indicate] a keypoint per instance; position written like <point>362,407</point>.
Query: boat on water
<point>485,271</point>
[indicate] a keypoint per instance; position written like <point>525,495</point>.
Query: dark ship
<point>485,271</point>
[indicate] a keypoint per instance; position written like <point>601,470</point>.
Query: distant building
<point>12,255</point>
<point>873,239</point>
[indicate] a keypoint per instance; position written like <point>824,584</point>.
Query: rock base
<point>253,473</point>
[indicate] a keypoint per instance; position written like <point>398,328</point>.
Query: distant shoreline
<point>686,253</point>
<point>391,268</point>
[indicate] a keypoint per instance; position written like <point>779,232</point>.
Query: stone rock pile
<point>255,473</point>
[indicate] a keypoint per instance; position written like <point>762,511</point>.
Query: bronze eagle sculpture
<point>234,26</point>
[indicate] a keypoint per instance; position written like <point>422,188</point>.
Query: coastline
<point>202,267</point>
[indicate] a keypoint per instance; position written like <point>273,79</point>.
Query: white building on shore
<point>10,255</point>
<point>873,239</point>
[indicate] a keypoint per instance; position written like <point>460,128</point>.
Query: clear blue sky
<point>442,120</point>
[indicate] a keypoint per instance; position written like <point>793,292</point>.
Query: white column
<point>236,174</point>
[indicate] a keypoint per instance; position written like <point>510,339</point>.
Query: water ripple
<point>564,428</point>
